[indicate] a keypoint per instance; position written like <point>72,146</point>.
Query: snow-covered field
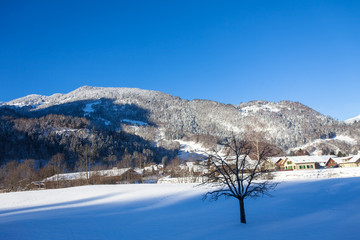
<point>317,174</point>
<point>317,209</point>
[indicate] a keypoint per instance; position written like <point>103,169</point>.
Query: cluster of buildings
<point>312,162</point>
<point>194,170</point>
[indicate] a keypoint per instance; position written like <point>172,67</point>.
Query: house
<point>350,161</point>
<point>331,163</point>
<point>302,162</point>
<point>270,164</point>
<point>129,176</point>
<point>275,161</point>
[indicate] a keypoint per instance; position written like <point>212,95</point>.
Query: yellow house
<point>307,166</point>
<point>351,161</point>
<point>302,162</point>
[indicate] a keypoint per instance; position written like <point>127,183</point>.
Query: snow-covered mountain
<point>287,124</point>
<point>120,95</point>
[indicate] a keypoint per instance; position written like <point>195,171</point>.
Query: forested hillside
<point>125,125</point>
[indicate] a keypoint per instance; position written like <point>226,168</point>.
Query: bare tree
<point>85,161</point>
<point>233,173</point>
<point>57,165</point>
<point>18,176</point>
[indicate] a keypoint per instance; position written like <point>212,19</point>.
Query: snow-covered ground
<point>318,209</point>
<point>281,176</point>
<point>278,176</point>
<point>88,109</point>
<point>190,150</point>
<point>317,174</point>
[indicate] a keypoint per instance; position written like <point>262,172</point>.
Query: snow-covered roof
<point>355,158</point>
<point>275,159</point>
<point>348,159</point>
<point>308,159</point>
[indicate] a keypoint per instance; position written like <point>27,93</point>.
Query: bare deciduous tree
<point>233,173</point>
<point>18,176</point>
<point>85,161</point>
<point>57,165</point>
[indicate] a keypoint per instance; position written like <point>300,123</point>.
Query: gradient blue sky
<point>228,51</point>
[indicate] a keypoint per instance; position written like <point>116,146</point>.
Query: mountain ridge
<point>285,123</point>
<point>37,99</point>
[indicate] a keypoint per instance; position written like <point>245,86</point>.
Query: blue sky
<point>228,51</point>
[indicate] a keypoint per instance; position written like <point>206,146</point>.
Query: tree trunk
<point>242,211</point>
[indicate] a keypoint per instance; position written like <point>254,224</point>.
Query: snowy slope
<point>335,143</point>
<point>323,209</point>
<point>352,120</point>
<point>190,150</point>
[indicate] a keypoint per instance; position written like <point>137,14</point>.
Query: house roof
<point>348,159</point>
<point>275,159</point>
<point>306,159</point>
<point>355,158</point>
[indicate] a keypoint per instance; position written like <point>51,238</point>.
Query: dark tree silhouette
<point>234,174</point>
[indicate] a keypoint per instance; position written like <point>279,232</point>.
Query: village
<point>278,168</point>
